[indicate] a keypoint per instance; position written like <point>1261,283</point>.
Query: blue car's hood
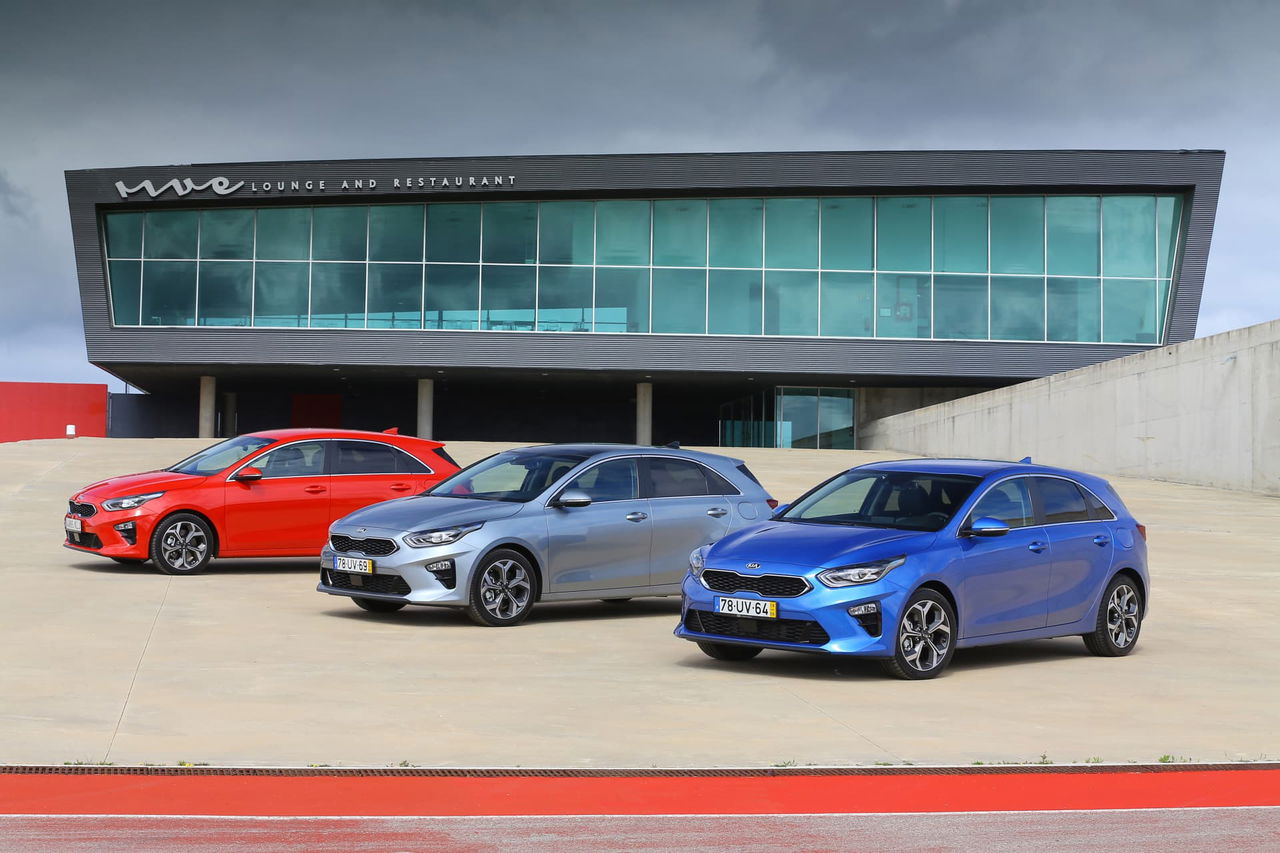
<point>422,512</point>
<point>812,545</point>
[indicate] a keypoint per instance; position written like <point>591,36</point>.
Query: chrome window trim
<point>1082,487</point>
<point>429,470</point>
<point>270,448</point>
<point>591,466</point>
<point>969,516</point>
<point>637,455</point>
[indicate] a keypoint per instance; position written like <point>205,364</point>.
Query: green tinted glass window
<point>124,235</point>
<point>622,300</point>
<point>902,306</point>
<point>622,232</point>
<point>1072,223</point>
<point>511,233</point>
<point>1129,235</point>
<point>1129,309</point>
<point>791,233</point>
<point>567,232</point>
<point>797,417</point>
<point>395,296</point>
<point>680,233</point>
<point>960,306</point>
<point>679,301</point>
<point>126,288</point>
<point>226,234</point>
<point>960,233</point>
<point>507,298</point>
<point>453,233</point>
<point>1017,234</point>
<point>337,295</point>
<point>169,293</point>
<point>848,233</point>
<point>1168,225</point>
<point>1074,309</point>
<point>395,232</point>
<point>835,419</point>
<point>1017,308</point>
<point>903,233</point>
<point>564,299</point>
<point>280,294</point>
<point>339,233</point>
<point>733,302</point>
<point>847,309</point>
<point>226,291</point>
<point>1162,308</point>
<point>737,232</point>
<point>453,297</point>
<point>171,234</point>
<point>284,233</point>
<point>790,303</point>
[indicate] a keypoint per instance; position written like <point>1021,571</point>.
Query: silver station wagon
<point>552,523</point>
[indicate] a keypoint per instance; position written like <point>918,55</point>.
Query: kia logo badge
<point>753,565</point>
<point>361,529</point>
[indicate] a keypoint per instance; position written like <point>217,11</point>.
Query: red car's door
<point>287,511</point>
<point>366,472</point>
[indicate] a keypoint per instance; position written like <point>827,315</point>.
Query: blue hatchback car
<point>907,561</point>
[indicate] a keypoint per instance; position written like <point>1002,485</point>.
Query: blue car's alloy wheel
<point>1119,619</point>
<point>925,637</point>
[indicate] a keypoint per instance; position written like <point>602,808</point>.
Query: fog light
<point>444,573</point>
<point>128,532</point>
<point>868,617</point>
<point>864,609</point>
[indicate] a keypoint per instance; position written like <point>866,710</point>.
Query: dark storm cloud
<point>95,84</point>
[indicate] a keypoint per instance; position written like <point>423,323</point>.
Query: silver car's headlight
<point>130,502</point>
<point>698,560</point>
<point>443,536</point>
<point>860,573</point>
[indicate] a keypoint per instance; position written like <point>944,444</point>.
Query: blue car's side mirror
<point>986,527</point>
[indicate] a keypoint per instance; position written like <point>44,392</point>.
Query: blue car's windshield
<point>222,455</point>
<point>516,475</point>
<point>900,500</point>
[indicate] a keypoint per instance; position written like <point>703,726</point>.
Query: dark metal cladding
<point>1196,173</point>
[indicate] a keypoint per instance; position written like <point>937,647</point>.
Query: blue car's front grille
<point>801,631</point>
<point>775,586</point>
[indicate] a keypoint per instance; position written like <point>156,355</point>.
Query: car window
<point>1097,509</point>
<point>838,503</point>
<point>222,455</point>
<point>1008,501</point>
<point>718,485</point>
<point>903,500</point>
<point>672,478</point>
<point>1062,501</point>
<point>370,457</point>
<point>615,480</point>
<point>301,459</point>
<point>515,475</point>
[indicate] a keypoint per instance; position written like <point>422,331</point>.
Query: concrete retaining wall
<point>1206,411</point>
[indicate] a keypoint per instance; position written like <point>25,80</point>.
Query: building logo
<point>181,186</point>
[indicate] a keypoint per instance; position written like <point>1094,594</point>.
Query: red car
<point>265,494</point>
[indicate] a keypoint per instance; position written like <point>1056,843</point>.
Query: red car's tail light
<point>773,504</point>
<point>1142,531</point>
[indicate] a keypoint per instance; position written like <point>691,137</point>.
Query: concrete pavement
<point>248,665</point>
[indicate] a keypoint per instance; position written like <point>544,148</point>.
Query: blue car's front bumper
<point>830,628</point>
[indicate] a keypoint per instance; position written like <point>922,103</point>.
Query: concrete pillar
<point>644,413</point>
<point>208,407</point>
<point>229,414</point>
<point>426,407</point>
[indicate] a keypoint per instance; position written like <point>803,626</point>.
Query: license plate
<point>748,607</point>
<point>73,524</point>
<point>353,564</point>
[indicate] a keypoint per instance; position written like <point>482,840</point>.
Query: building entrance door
<point>316,410</point>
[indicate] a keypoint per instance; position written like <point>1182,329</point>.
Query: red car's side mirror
<point>248,475</point>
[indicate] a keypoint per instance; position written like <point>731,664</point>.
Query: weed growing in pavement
<point>193,764</point>
<point>1173,759</point>
<point>1044,758</point>
<point>88,763</point>
<point>406,763</point>
<point>1093,759</point>
<point>791,762</point>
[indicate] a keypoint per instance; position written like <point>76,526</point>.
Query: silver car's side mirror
<point>572,498</point>
<point>986,527</point>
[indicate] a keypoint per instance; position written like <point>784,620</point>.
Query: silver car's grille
<point>368,547</point>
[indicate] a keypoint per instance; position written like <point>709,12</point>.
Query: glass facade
<point>1074,268</point>
<point>787,416</point>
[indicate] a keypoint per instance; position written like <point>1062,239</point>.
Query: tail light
<point>1142,531</point>
<point>772,502</point>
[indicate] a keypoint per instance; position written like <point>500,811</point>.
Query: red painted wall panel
<point>43,409</point>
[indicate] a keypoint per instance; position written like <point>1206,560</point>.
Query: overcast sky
<point>95,84</point>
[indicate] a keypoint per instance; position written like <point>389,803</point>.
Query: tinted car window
<point>303,459</point>
<point>364,457</point>
<point>718,485</point>
<point>1062,501</point>
<point>615,480</point>
<point>1009,502</point>
<point>671,478</point>
<point>897,499</point>
<point>516,475</point>
<point>222,455</point>
<point>1097,509</point>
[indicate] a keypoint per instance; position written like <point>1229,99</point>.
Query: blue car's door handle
<point>636,516</point>
<point>1101,540</point>
<point>1037,547</point>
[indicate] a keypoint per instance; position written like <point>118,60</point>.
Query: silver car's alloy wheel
<point>925,635</point>
<point>183,546</point>
<point>1122,616</point>
<point>505,589</point>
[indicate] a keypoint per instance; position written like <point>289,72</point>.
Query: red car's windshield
<point>222,455</point>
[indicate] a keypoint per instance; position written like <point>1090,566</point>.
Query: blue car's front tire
<point>924,638</point>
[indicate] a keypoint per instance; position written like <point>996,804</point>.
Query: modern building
<point>740,299</point>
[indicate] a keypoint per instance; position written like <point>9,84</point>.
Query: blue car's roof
<point>970,467</point>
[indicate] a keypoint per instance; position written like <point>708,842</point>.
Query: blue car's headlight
<point>860,573</point>
<point>130,502</point>
<point>698,560</point>
<point>444,536</point>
